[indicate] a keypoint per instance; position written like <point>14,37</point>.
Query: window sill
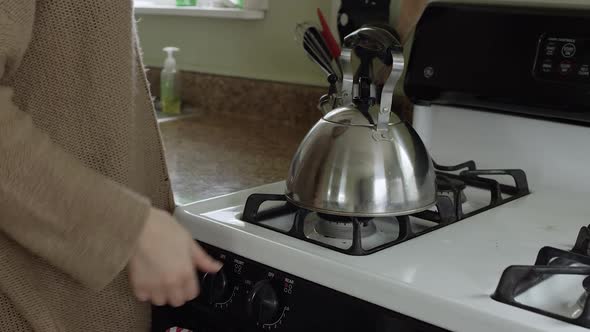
<point>226,13</point>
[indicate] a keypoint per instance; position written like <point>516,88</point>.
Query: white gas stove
<point>445,277</point>
<point>468,264</point>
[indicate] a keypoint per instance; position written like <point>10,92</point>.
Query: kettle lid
<point>359,91</point>
<point>351,116</point>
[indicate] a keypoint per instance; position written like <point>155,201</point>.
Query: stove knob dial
<point>215,287</point>
<point>262,303</point>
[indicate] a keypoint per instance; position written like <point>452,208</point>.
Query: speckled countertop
<point>240,133</point>
<point>209,156</point>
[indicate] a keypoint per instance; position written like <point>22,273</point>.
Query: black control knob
<point>262,303</point>
<point>215,287</point>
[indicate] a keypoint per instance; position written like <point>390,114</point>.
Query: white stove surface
<point>445,277</point>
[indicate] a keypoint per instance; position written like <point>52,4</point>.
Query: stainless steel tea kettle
<point>361,160</point>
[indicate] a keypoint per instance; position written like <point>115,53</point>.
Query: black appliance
<point>529,61</point>
<point>247,296</point>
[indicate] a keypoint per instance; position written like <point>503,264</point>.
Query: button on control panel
<point>568,50</point>
<point>563,59</point>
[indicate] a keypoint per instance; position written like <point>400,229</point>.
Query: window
<point>253,9</point>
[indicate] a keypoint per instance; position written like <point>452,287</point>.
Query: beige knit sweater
<point>80,162</point>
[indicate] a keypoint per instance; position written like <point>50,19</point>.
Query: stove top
<point>364,236</point>
<point>436,277</point>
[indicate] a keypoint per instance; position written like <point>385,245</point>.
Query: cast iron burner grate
<point>551,262</point>
<point>451,184</point>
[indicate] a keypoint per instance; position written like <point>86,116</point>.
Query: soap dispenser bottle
<point>170,84</point>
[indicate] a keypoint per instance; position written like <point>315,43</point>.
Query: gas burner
<point>341,219</point>
<point>340,228</point>
<point>341,234</point>
<point>364,236</point>
<point>556,286</point>
<point>349,235</point>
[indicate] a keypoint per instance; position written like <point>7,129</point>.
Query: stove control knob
<point>262,304</point>
<point>215,287</point>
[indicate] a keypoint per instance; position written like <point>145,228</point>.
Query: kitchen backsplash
<point>247,98</point>
<point>276,102</point>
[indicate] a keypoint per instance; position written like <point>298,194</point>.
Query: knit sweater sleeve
<point>51,203</point>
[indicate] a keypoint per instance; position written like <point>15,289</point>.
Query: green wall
<point>261,49</point>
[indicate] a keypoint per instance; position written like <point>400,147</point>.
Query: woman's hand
<point>163,270</point>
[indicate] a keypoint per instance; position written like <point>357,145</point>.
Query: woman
<point>86,238</point>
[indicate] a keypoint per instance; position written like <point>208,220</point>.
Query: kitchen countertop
<point>210,156</point>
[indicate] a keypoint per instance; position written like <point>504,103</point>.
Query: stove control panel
<point>563,59</point>
<point>503,58</point>
<point>246,296</point>
<point>250,293</point>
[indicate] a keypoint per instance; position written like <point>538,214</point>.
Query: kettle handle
<point>383,42</point>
